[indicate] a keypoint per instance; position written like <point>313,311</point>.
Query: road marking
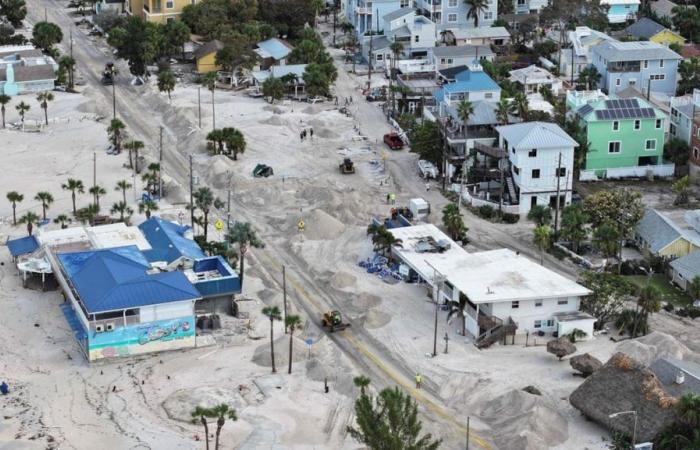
<point>397,377</point>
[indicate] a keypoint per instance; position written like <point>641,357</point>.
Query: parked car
<point>393,141</point>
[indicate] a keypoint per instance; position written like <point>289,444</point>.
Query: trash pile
<point>378,264</point>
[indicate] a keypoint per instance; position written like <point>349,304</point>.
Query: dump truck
<point>347,166</point>
<point>108,74</point>
<point>333,320</point>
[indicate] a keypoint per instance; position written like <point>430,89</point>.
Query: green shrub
<point>510,218</point>
<point>485,211</point>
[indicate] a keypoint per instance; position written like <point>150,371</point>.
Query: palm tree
<point>542,239</point>
<point>4,100</point>
<point>166,83</point>
<point>73,186</point>
<point>273,313</point>
<point>464,110</point>
<point>22,109</point>
<point>44,98</point>
<point>361,382</point>
<point>115,131</point>
<point>649,302</point>
<point>123,185</point>
<point>396,49</point>
<point>61,219</point>
<point>681,188</point>
<point>88,213</point>
<point>476,9</point>
<point>14,197</point>
<point>589,77</point>
<point>30,219</point>
<point>154,168</point>
<point>46,199</point>
<point>216,138</point>
<point>123,209</point>
<point>209,80</point>
<point>68,64</point>
<point>134,147</point>
<point>689,409</point>
<point>352,43</point>
<point>292,322</point>
<point>235,142</point>
<point>245,236</point>
<point>200,413</point>
<point>203,200</point>
<point>521,106</point>
<point>452,220</point>
<point>146,206</point>
<point>503,111</point>
<point>222,412</point>
<point>96,192</point>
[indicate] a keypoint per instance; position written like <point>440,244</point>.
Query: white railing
<point>476,202</point>
<point>661,170</point>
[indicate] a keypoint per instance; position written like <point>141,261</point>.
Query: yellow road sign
<point>301,225</point>
<point>219,225</point>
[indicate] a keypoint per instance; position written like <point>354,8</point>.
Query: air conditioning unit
<point>99,328</point>
<point>109,326</point>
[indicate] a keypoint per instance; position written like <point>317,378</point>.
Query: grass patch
<point>669,292</point>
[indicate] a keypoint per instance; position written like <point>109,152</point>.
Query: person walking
<point>311,133</point>
<point>419,381</point>
<point>388,198</point>
<point>427,186</point>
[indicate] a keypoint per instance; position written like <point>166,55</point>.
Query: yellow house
<point>658,235</point>
<point>647,29</point>
<point>206,56</point>
<point>158,11</point>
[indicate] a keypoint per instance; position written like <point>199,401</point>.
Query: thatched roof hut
<point>623,384</point>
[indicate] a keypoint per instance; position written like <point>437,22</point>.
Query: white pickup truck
<point>427,170</point>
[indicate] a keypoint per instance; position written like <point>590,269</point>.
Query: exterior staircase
<point>497,332</point>
<point>511,189</point>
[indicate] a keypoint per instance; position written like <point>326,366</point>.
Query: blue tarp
<point>22,246</point>
<point>115,279</point>
<point>167,241</point>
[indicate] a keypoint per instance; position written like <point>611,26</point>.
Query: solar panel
<point>608,103</point>
<point>634,102</point>
<point>600,114</point>
<point>585,109</point>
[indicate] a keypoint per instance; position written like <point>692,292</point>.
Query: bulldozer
<point>333,320</point>
<point>347,166</point>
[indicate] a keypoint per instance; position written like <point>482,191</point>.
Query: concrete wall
<point>585,325</point>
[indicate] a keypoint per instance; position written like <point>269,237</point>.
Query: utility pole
<point>556,212</point>
<point>467,432</point>
<point>160,165</point>
<point>94,175</point>
<point>572,65</point>
<point>191,195</point>
<point>501,169</point>
<point>199,105</point>
<point>648,88</point>
<point>335,18</point>
<point>284,296</point>
<point>369,56</point>
<point>445,151</point>
<point>438,278</point>
<point>461,185</point>
<point>114,93</point>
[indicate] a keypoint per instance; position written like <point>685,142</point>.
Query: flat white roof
<point>117,235</point>
<point>421,262</point>
<point>502,276</point>
<point>64,236</point>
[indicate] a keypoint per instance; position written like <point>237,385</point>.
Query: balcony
<point>624,67</point>
<point>362,10</point>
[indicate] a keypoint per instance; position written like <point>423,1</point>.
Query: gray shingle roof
<point>657,230</point>
<point>634,51</point>
<point>666,370</point>
<point>30,73</point>
<point>398,13</point>
<point>644,28</point>
<point>462,50</point>
<point>22,53</point>
<point>209,47</point>
<point>688,266</point>
<point>530,135</point>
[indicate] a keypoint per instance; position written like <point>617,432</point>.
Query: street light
<point>634,430</point>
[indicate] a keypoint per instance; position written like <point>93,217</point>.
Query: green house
<point>625,139</point>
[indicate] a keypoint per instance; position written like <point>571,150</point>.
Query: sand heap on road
<point>653,346</point>
<point>180,404</point>
<point>321,226</point>
<point>262,357</point>
<point>525,421</point>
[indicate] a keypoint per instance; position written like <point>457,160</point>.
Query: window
<point>169,20</point>
<point>651,144</point>
<point>614,147</point>
<point>516,169</point>
<point>661,63</point>
<point>672,129</point>
<point>646,64</point>
<point>488,15</point>
<point>443,61</point>
<point>637,124</point>
<point>488,95</point>
<point>538,324</point>
<point>405,3</point>
<point>657,77</point>
<point>617,82</point>
<point>562,302</point>
<point>561,172</point>
<point>515,305</point>
<point>616,125</point>
<point>379,57</point>
<point>452,3</point>
<point>658,124</point>
<point>170,4</point>
<point>521,2</point>
<point>532,153</point>
<point>538,303</point>
<point>416,38</point>
<point>550,323</point>
<point>452,17</point>
<point>535,173</point>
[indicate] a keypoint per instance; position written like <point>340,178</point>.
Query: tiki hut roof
<point>623,384</point>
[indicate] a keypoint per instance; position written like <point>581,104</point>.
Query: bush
<point>510,218</point>
<point>485,211</point>
<point>691,311</point>
<point>668,307</point>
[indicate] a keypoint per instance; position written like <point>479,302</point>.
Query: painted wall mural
<point>143,338</point>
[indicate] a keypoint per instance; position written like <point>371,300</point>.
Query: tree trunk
<point>3,116</point>
<point>14,214</point>
<point>29,228</point>
<point>136,161</point>
<point>219,426</point>
<point>291,340</point>
<point>73,197</point>
<point>131,162</point>
<point>46,115</point>
<point>43,210</point>
<point>206,224</point>
<point>148,213</point>
<point>124,195</point>
<point>206,431</point>
<point>272,344</point>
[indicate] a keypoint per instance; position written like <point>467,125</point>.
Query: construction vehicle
<point>108,74</point>
<point>347,166</point>
<point>333,320</point>
<point>262,170</point>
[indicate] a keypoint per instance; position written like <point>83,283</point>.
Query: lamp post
<point>634,429</point>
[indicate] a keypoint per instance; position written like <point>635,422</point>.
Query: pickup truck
<point>427,169</point>
<point>393,141</point>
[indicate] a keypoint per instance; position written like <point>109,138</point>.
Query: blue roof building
<point>168,241</point>
<point>473,85</point>
<point>22,246</point>
<point>274,49</point>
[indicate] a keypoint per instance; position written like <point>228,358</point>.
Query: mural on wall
<point>143,338</point>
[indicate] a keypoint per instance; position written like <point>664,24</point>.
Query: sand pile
<point>300,352</point>
<point>312,109</point>
<point>365,301</point>
<point>524,421</point>
<point>376,319</point>
<point>322,129</point>
<point>274,120</point>
<point>653,346</point>
<point>273,109</point>
<point>180,404</point>
<point>220,171</point>
<point>342,280</point>
<point>320,226</point>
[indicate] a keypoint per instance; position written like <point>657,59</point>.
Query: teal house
<point>625,139</point>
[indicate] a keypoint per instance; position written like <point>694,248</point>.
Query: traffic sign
<point>219,225</point>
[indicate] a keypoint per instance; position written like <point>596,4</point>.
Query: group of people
<point>306,133</point>
<point>348,100</point>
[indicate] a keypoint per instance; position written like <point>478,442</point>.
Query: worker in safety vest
<point>419,379</point>
<point>393,198</point>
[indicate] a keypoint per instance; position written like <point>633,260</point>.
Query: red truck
<point>393,141</point>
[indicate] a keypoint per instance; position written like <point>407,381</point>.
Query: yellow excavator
<point>333,320</point>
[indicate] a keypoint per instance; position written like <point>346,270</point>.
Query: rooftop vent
<point>680,377</point>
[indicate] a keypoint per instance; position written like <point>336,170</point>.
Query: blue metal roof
<point>274,48</point>
<point>228,284</point>
<point>22,246</point>
<point>168,241</point>
<point>472,81</point>
<point>116,278</point>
